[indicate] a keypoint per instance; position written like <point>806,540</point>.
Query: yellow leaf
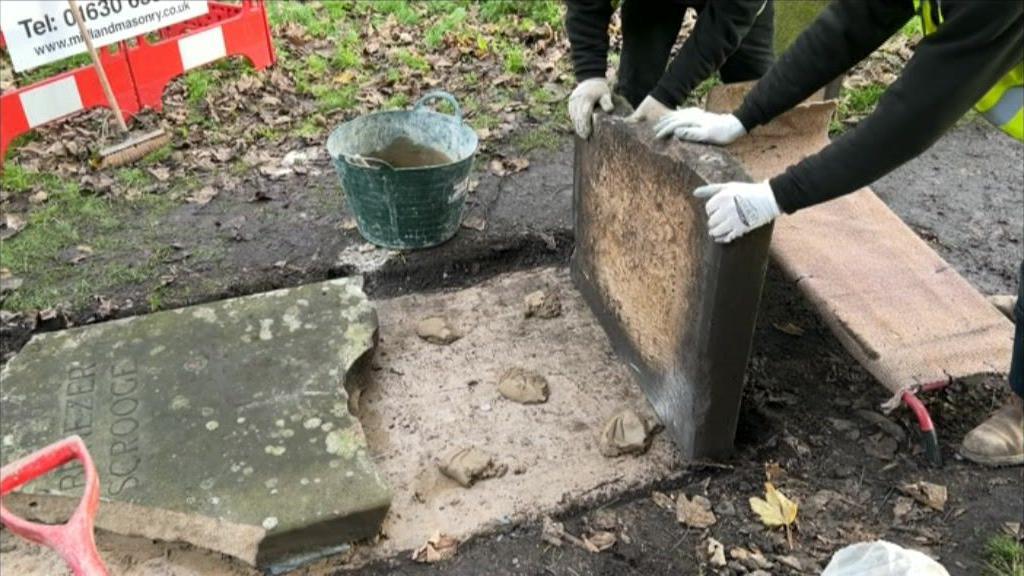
<point>775,509</point>
<point>345,77</point>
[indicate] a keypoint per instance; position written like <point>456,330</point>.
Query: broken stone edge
<point>741,264</point>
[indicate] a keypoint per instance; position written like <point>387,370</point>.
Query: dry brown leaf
<point>38,198</point>
<point>439,547</point>
<point>601,541</point>
<point>695,512</point>
<point>789,328</point>
<point>203,196</point>
<point>663,500</point>
<point>931,495</point>
<point>10,225</point>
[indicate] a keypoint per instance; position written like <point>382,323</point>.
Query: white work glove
<point>650,110</point>
<point>735,208</point>
<point>697,125</point>
<point>582,101</point>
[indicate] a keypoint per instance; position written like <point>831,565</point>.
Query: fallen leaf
<point>10,225</point>
<point>931,495</point>
<point>600,541</point>
<point>775,509</point>
<point>77,254</point>
<point>902,507</point>
<point>716,553</point>
<point>9,284</point>
<point>203,196</point>
<point>345,77</point>
<point>552,532</point>
<point>774,471</point>
<point>695,513</point>
<point>474,222</point>
<point>663,500</point>
<point>38,198</point>
<point>789,328</point>
<point>160,173</point>
<point>438,547</point>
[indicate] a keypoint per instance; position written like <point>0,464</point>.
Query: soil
<point>804,404</point>
<point>821,440</point>
<point>965,196</point>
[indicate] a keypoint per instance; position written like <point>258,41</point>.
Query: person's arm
<point>720,28</point>
<point>976,45</point>
<point>586,25</point>
<point>843,34</point>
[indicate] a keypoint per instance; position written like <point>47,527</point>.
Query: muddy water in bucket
<point>404,153</point>
<point>405,173</point>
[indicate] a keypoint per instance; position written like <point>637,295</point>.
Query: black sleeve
<point>843,34</point>
<point>720,28</point>
<point>977,44</point>
<point>586,25</point>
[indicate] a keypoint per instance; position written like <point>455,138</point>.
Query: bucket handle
<point>367,162</point>
<point>439,95</point>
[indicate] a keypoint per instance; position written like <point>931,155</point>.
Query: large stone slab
<point>225,425</point>
<point>678,307</point>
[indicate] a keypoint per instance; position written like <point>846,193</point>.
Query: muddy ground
<point>804,406</point>
<point>805,398</point>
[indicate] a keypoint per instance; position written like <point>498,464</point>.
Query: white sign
<point>42,31</point>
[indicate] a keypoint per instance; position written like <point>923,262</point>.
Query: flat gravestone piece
<point>678,307</point>
<point>226,425</point>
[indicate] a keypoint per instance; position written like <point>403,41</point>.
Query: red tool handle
<point>73,540</point>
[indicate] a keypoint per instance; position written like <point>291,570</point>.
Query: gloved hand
<point>735,208</point>
<point>650,110</point>
<point>582,101</point>
<point>697,125</point>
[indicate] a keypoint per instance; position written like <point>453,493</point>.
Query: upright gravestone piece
<point>226,425</point>
<point>679,308</point>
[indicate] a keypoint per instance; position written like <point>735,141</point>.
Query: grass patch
<point>133,177</point>
<point>436,34</point>
<point>401,9</point>
<point>513,58</point>
<point>400,101</point>
<point>329,99</point>
<point>15,179</point>
<point>543,11</point>
<point>157,156</point>
<point>412,60</point>
<point>532,138</point>
<point>856,103</point>
<point>197,86</point>
<point>1004,556</point>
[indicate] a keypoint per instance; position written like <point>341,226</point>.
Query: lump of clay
<point>523,386</point>
<point>626,433</point>
<point>469,465</point>
<point>543,304</point>
<point>437,330</point>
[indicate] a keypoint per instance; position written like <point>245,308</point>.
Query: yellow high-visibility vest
<point>1003,104</point>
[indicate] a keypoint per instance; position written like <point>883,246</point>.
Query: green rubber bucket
<point>412,207</point>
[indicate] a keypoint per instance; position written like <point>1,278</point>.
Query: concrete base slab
<point>424,399</point>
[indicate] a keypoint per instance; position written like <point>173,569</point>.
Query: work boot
<point>998,441</point>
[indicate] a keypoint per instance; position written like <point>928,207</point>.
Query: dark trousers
<point>650,29</point>
<point>1017,362</point>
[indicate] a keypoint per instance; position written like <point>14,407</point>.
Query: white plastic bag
<point>881,558</point>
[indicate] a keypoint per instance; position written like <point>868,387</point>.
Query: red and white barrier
<point>139,74</point>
